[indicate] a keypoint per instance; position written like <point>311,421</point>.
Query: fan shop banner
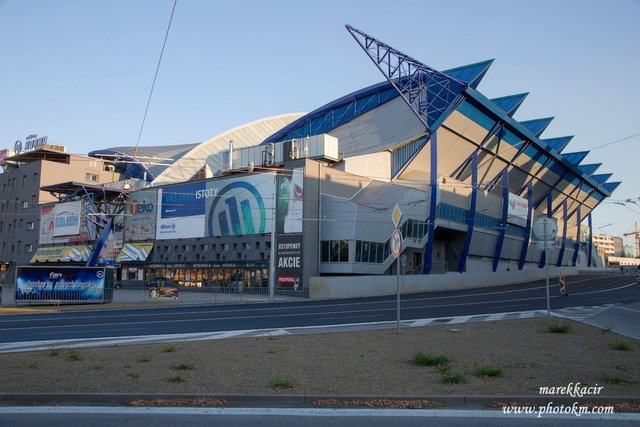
<point>140,219</point>
<point>289,261</point>
<point>517,210</point>
<point>67,218</point>
<point>240,206</point>
<point>48,234</point>
<point>290,202</point>
<point>60,283</point>
<point>181,211</point>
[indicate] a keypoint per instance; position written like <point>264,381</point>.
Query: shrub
<point>614,379</point>
<point>488,371</point>
<point>183,367</point>
<point>620,344</point>
<point>558,328</point>
<point>425,359</point>
<point>177,378</point>
<point>280,382</point>
<point>74,356</point>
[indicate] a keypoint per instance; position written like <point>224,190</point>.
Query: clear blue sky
<point>79,71</point>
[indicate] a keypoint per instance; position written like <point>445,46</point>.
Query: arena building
<point>310,197</point>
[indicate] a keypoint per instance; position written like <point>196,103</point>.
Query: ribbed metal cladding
<point>388,125</point>
<point>401,155</point>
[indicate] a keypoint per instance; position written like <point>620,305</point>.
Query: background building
<point>22,197</point>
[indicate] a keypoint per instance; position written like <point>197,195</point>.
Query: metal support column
<point>543,258</point>
<point>433,205</point>
<point>527,231</point>
<point>590,240</point>
<point>576,246</point>
<point>503,219</point>
<point>471,214</point>
<point>564,233</point>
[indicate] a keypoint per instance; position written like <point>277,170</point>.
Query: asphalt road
<point>248,417</point>
<point>585,290</point>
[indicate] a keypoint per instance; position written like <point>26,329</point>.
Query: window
<point>1,226</point>
<point>19,245</point>
<point>24,180</point>
<point>35,177</point>
<point>30,225</point>
<point>324,252</point>
<point>92,177</point>
<point>33,200</point>
<point>25,204</point>
<point>20,223</point>
<point>338,250</point>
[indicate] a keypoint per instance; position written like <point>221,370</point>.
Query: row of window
<point>459,215</point>
<point>372,252</point>
<point>30,225</point>
<point>205,247</point>
<point>334,251</point>
<point>28,247</point>
<point>23,203</point>
<point>11,183</point>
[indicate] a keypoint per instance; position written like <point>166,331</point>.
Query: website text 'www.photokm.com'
<point>575,390</point>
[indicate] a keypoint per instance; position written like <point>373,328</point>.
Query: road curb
<point>276,400</point>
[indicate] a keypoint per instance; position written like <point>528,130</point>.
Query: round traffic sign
<point>396,243</point>
<point>545,229</point>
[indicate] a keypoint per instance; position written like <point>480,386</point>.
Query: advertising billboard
<point>60,283</point>
<point>240,206</point>
<point>181,211</point>
<point>140,216</point>
<point>290,202</point>
<point>289,261</point>
<point>47,228</point>
<point>66,219</point>
<point>132,252</point>
<point>517,210</point>
<point>78,253</point>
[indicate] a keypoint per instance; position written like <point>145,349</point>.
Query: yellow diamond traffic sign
<point>396,215</point>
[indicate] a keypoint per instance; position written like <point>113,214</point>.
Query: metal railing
<point>155,296</point>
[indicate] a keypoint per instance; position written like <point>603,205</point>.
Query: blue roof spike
<point>509,104</point>
<point>472,73</point>
<point>611,186</point>
<point>559,143</point>
<point>537,126</point>
<point>589,169</point>
<point>576,157</point>
<point>602,178</point>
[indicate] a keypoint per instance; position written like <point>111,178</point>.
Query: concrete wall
<point>366,286</point>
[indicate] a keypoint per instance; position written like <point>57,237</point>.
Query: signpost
<point>546,229</point>
<point>395,245</point>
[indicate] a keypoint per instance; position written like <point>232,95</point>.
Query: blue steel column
<point>471,215</point>
<point>527,231</point>
<point>590,240</point>
<point>564,233</point>
<point>503,220</point>
<point>431,230</point>
<point>549,215</point>
<point>576,246</point>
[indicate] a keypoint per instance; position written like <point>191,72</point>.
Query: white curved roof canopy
<point>209,151</point>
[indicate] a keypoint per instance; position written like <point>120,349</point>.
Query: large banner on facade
<point>48,227</point>
<point>67,218</point>
<point>181,211</point>
<point>60,283</point>
<point>240,206</point>
<point>289,261</point>
<point>141,213</point>
<point>517,210</point>
<point>290,202</point>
